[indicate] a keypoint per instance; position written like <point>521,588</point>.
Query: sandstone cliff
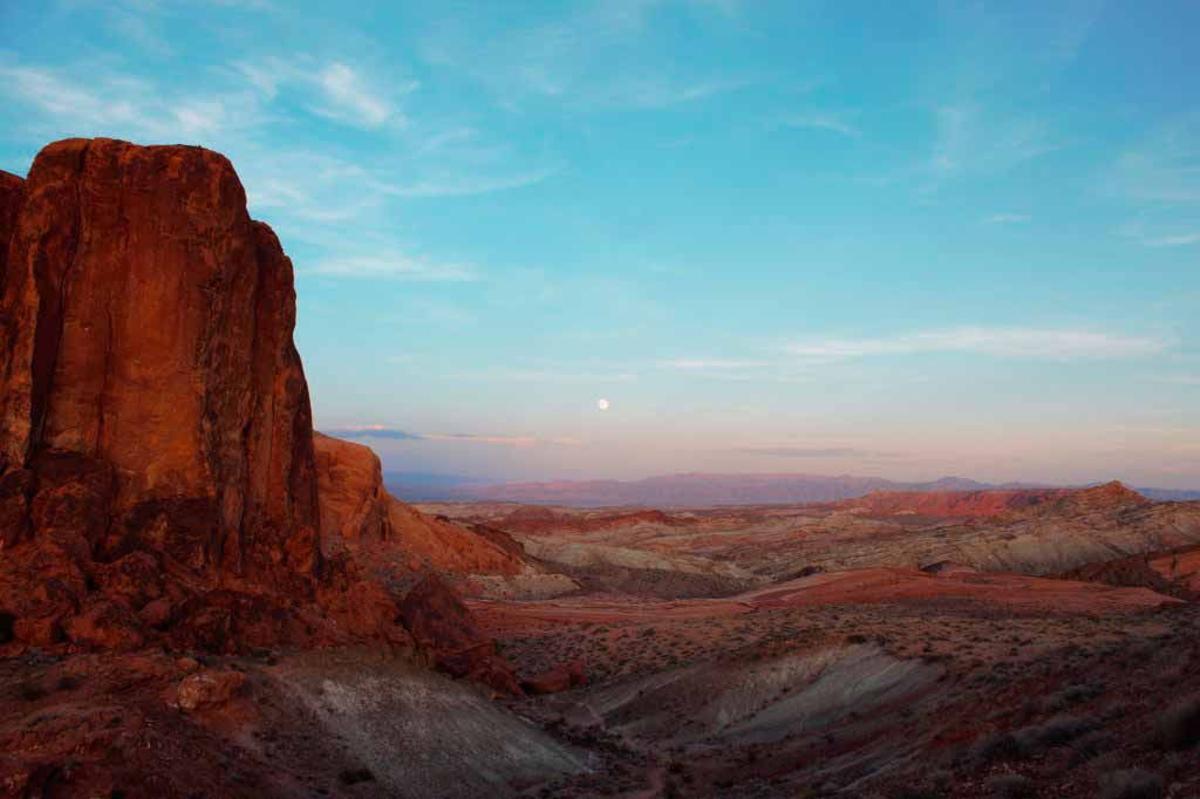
<point>150,393</point>
<point>157,477</point>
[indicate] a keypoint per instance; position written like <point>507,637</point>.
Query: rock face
<point>152,403</point>
<point>149,369</point>
<point>358,513</point>
<point>354,503</point>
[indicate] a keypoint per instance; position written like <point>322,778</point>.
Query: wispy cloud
<point>464,185</point>
<point>823,120</point>
<point>970,139</point>
<point>374,431</point>
<point>336,89</point>
<point>1164,168</point>
<point>580,59</point>
<point>119,105</point>
<point>384,432</point>
<point>813,452</point>
<point>1179,380</point>
<point>506,441</point>
<point>710,364</point>
<point>395,266</point>
<point>1180,240</point>
<point>1048,343</point>
<point>1008,219</point>
<point>565,374</point>
<point>348,98</point>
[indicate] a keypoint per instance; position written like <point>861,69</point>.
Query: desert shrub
<point>1179,725</point>
<point>1072,695</point>
<point>1057,731</point>
<point>1132,783</point>
<point>355,776</point>
<point>1010,786</point>
<point>1092,744</point>
<point>67,682</point>
<point>31,691</point>
<point>1030,740</point>
<point>995,746</point>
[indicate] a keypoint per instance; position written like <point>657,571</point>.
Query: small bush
<point>1072,695</point>
<point>1010,786</point>
<point>356,775</point>
<point>1179,726</point>
<point>996,746</point>
<point>1133,783</point>
<point>31,691</point>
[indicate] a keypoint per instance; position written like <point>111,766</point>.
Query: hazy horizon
<point>624,238</point>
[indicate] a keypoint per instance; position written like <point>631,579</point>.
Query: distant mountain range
<point>688,490</point>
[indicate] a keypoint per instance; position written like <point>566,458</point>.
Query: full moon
<point>602,404</point>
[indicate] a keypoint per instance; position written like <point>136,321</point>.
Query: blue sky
<point>905,239</point>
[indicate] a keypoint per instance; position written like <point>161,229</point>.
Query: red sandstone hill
<point>158,477</point>
<point>994,502</point>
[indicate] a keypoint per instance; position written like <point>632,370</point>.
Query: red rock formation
<point>359,514</point>
<point>159,483</point>
<point>149,369</point>
<point>446,631</point>
<point>354,503</point>
<point>952,504</point>
<point>154,416</point>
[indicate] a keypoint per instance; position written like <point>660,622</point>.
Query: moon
<point>603,404</point>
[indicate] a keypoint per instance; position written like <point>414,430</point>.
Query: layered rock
<point>154,415</point>
<point>354,503</point>
<point>149,369</point>
<point>358,513</point>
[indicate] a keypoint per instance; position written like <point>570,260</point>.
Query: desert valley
<point>202,596</point>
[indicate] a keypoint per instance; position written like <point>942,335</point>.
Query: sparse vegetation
<point>1131,784</point>
<point>1179,725</point>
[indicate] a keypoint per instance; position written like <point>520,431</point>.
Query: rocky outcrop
<point>155,429</point>
<point>952,504</point>
<point>149,371</point>
<point>359,515</point>
<point>354,503</point>
<point>445,630</point>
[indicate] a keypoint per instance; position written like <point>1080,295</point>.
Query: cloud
<point>118,105</point>
<point>823,120</point>
<point>349,99</point>
<point>1180,240</point>
<point>464,185</point>
<point>1008,219</point>
<point>600,56</point>
<point>397,434</point>
<point>1012,342</point>
<point>543,375</point>
<point>1179,380</point>
<point>710,364</point>
<point>970,139</point>
<point>333,89</point>
<point>505,441</point>
<point>374,431</point>
<point>395,266</point>
<point>813,452</point>
<point>1164,168</point>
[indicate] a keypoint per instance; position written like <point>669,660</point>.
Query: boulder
<point>445,630</point>
<point>208,689</point>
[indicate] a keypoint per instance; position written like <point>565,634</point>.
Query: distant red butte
<point>990,503</point>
